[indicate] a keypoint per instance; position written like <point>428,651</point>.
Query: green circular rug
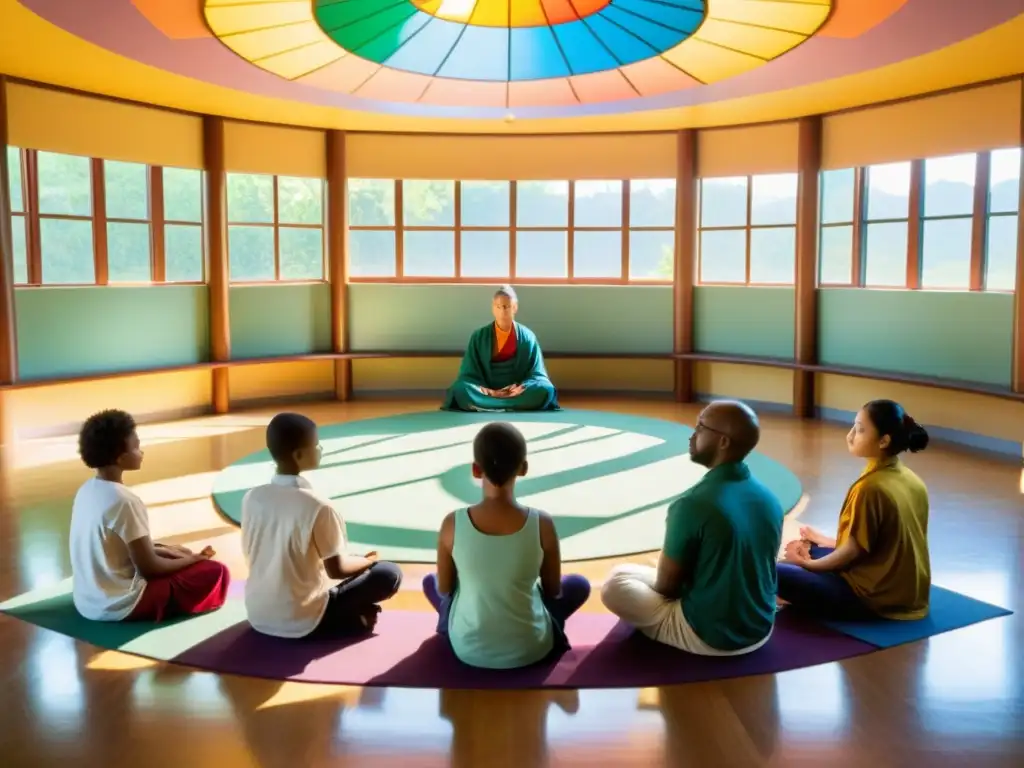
<point>607,478</point>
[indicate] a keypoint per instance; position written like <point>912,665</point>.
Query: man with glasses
<point>714,590</point>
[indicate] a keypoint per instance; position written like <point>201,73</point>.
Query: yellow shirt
<point>886,513</point>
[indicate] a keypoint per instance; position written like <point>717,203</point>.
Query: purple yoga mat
<point>406,652</point>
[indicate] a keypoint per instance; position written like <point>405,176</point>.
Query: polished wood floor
<point>955,700</point>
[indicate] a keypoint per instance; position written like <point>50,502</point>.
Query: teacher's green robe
<point>519,362</point>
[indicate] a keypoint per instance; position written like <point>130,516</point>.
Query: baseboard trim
<point>994,447</point>
<point>72,427</point>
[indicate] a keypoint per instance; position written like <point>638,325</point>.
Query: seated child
<point>294,541</point>
<point>118,573</point>
<point>489,559</point>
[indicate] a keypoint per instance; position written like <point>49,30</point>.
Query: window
<point>184,256</point>
<point>948,221</point>
<point>126,193</point>
<point>747,230</point>
<point>886,225</point>
<point>275,228</point>
<point>542,229</point>
<point>838,216</point>
<point>84,221</point>
<point>65,209</point>
<point>498,230</point>
<point>1003,215</point>
<point>652,229</point>
<point>19,221</point>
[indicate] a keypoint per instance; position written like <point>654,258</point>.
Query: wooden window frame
<point>748,229</point>
<point>857,239</point>
<point>981,176</point>
<point>983,223</point>
<point>98,220</point>
<point>158,234</point>
<point>277,225</point>
<point>399,228</point>
<point>912,221</point>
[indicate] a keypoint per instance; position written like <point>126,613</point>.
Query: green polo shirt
<point>725,532</point>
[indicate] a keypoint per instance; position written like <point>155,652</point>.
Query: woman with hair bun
<point>878,564</point>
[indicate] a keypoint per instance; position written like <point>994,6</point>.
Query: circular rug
<point>607,478</point>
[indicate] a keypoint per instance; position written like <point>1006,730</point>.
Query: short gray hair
<point>508,292</point>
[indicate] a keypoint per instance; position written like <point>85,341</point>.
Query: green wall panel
<point>566,318</point>
<point>66,332</point>
<point>952,335</point>
<point>744,320</point>
<point>282,319</point>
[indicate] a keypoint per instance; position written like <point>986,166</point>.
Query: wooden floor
<point>955,700</point>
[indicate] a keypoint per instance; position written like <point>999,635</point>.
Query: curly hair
<point>104,437</point>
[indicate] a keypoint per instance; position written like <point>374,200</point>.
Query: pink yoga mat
<point>405,651</point>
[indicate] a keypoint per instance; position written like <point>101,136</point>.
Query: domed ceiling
<point>495,59</point>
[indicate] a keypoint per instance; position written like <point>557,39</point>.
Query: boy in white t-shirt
<point>118,573</point>
<point>294,543</point>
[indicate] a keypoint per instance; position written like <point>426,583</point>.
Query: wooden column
<point>914,226</point>
<point>805,350</point>
<point>8,332</point>
<point>217,255</point>
<point>1018,292</point>
<point>337,256</point>
<point>685,245</point>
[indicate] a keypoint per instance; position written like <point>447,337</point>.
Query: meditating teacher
<point>503,368</point>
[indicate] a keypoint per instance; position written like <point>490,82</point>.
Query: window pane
<point>946,254</point>
<point>302,253</point>
<point>773,255</point>
<point>949,185</point>
<point>652,255</point>
<point>597,254</point>
<point>486,204</point>
<point>598,204</point>
<point>127,190</point>
<point>65,184</point>
<point>652,203</point>
<point>723,256</point>
<point>428,203</point>
<point>183,253</point>
<point>20,250</point>
<point>1001,255</point>
<point>251,253</point>
<point>837,191</point>
<point>888,191</point>
<point>542,204</point>
<point>429,254</point>
<point>885,255</point>
<point>836,254</point>
<point>183,195</point>
<point>485,254</point>
<point>371,253</point>
<point>250,199</point>
<point>773,199</point>
<point>371,203</point>
<point>542,254</point>
<point>128,253</point>
<point>14,163</point>
<point>1004,192</point>
<point>66,251</point>
<point>723,202</point>
<point>300,201</point>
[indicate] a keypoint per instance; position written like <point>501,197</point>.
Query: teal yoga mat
<point>607,478</point>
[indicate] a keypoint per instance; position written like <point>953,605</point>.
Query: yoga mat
<point>405,650</point>
<point>606,478</point>
<point>949,610</point>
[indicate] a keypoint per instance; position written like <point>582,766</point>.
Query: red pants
<point>199,588</point>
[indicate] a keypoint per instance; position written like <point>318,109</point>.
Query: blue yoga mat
<point>949,610</point>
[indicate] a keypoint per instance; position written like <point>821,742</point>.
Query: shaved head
<point>727,430</point>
